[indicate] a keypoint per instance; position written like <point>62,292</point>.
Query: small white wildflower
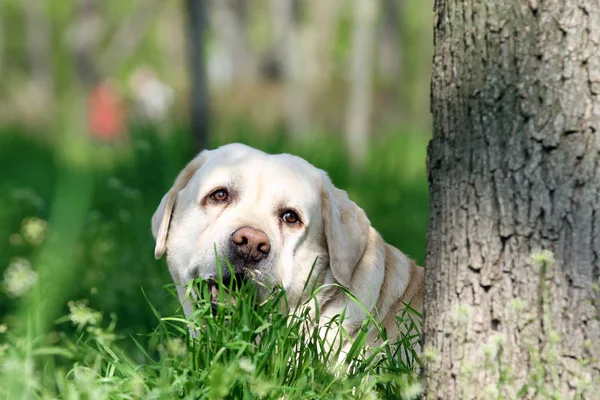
<point>84,375</point>
<point>176,347</point>
<point>260,388</point>
<point>18,366</point>
<point>80,314</point>
<point>246,365</point>
<point>136,386</point>
<point>412,390</point>
<point>101,335</point>
<point>33,230</point>
<point>19,277</point>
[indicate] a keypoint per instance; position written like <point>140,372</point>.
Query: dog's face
<point>271,216</point>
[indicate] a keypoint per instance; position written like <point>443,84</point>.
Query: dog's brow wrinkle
<point>281,203</point>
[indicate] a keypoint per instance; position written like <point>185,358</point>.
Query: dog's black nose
<point>251,244</point>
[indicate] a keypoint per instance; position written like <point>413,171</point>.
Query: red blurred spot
<point>106,113</point>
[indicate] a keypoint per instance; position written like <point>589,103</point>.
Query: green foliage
<point>244,347</point>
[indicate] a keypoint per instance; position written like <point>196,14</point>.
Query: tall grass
<point>244,347</point>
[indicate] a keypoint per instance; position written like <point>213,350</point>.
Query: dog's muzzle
<point>250,245</point>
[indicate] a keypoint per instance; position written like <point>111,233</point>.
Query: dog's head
<point>271,216</point>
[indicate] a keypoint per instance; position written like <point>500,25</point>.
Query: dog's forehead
<point>231,155</point>
<point>246,165</point>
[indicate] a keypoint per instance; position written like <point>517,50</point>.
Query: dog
<point>280,220</point>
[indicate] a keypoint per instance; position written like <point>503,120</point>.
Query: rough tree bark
<point>514,169</point>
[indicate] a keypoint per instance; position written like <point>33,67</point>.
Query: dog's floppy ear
<point>346,230</point>
<point>162,216</point>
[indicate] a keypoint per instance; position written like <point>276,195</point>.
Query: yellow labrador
<point>273,216</point>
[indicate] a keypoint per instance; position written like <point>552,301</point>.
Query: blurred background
<point>102,102</point>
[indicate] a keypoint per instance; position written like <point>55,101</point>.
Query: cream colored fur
<point>334,231</point>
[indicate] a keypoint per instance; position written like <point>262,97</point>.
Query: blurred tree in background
<point>95,103</point>
<point>199,111</point>
<point>308,65</point>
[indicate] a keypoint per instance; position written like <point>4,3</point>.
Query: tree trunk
<point>319,40</point>
<point>230,25</point>
<point>512,266</point>
<point>358,116</point>
<point>289,47</point>
<point>39,47</point>
<point>389,62</point>
<point>130,35</point>
<point>84,38</point>
<point>196,10</point>
<point>2,40</point>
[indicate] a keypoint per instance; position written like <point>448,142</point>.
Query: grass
<point>245,351</point>
<point>120,352</point>
<point>245,348</point>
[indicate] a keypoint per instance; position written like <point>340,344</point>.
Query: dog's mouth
<point>225,291</point>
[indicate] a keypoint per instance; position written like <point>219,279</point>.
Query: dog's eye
<point>220,195</point>
<point>290,217</point>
